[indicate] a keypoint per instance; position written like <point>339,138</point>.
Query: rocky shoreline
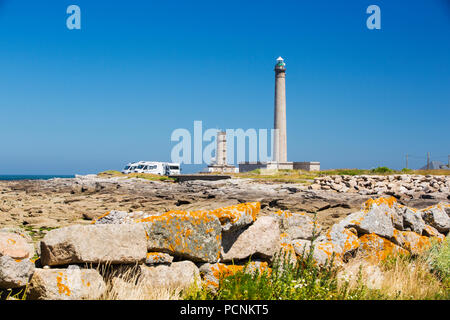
<point>44,204</point>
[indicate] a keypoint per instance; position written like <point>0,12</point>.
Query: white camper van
<point>172,168</point>
<point>161,168</point>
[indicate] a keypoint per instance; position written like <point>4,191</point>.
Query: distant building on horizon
<point>436,165</point>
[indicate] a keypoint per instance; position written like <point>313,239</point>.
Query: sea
<point>11,177</point>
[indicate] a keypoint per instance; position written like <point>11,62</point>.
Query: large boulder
<point>412,219</point>
<point>371,273</point>
<point>297,225</point>
<point>437,217</point>
<point>72,283</point>
<point>376,217</point>
<point>15,246</point>
<point>15,273</point>
<point>108,243</point>
<point>181,275</point>
<point>261,240</point>
<point>375,248</point>
<point>194,235</point>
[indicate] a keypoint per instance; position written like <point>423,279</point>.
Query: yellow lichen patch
<point>376,248</point>
<point>234,213</point>
<point>62,288</point>
<point>390,202</point>
<point>327,248</point>
<point>11,241</point>
<point>415,243</point>
<point>283,213</point>
<point>155,256</point>
<point>102,216</point>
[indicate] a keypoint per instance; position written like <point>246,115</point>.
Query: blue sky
<point>82,101</point>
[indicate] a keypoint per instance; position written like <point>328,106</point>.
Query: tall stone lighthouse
<point>280,143</point>
<point>279,152</point>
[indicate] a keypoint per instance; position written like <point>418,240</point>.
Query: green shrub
<point>304,280</point>
<point>406,170</point>
<point>382,170</point>
<point>439,259</point>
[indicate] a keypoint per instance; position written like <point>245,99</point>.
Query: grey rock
<point>108,243</point>
<point>183,274</point>
<point>190,235</point>
<point>412,219</point>
<point>437,217</point>
<point>261,240</point>
<point>66,284</point>
<point>15,273</point>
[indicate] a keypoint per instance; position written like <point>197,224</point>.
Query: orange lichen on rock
<point>62,288</point>
<point>190,234</point>
<point>154,255</point>
<point>415,243</point>
<point>376,248</point>
<point>283,213</point>
<point>287,249</point>
<point>234,213</point>
<point>348,241</point>
<point>390,202</point>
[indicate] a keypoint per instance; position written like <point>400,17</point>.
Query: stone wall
<point>182,248</point>
<point>413,186</point>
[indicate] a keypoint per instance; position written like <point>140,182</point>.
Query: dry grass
<point>306,177</point>
<point>398,277</point>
